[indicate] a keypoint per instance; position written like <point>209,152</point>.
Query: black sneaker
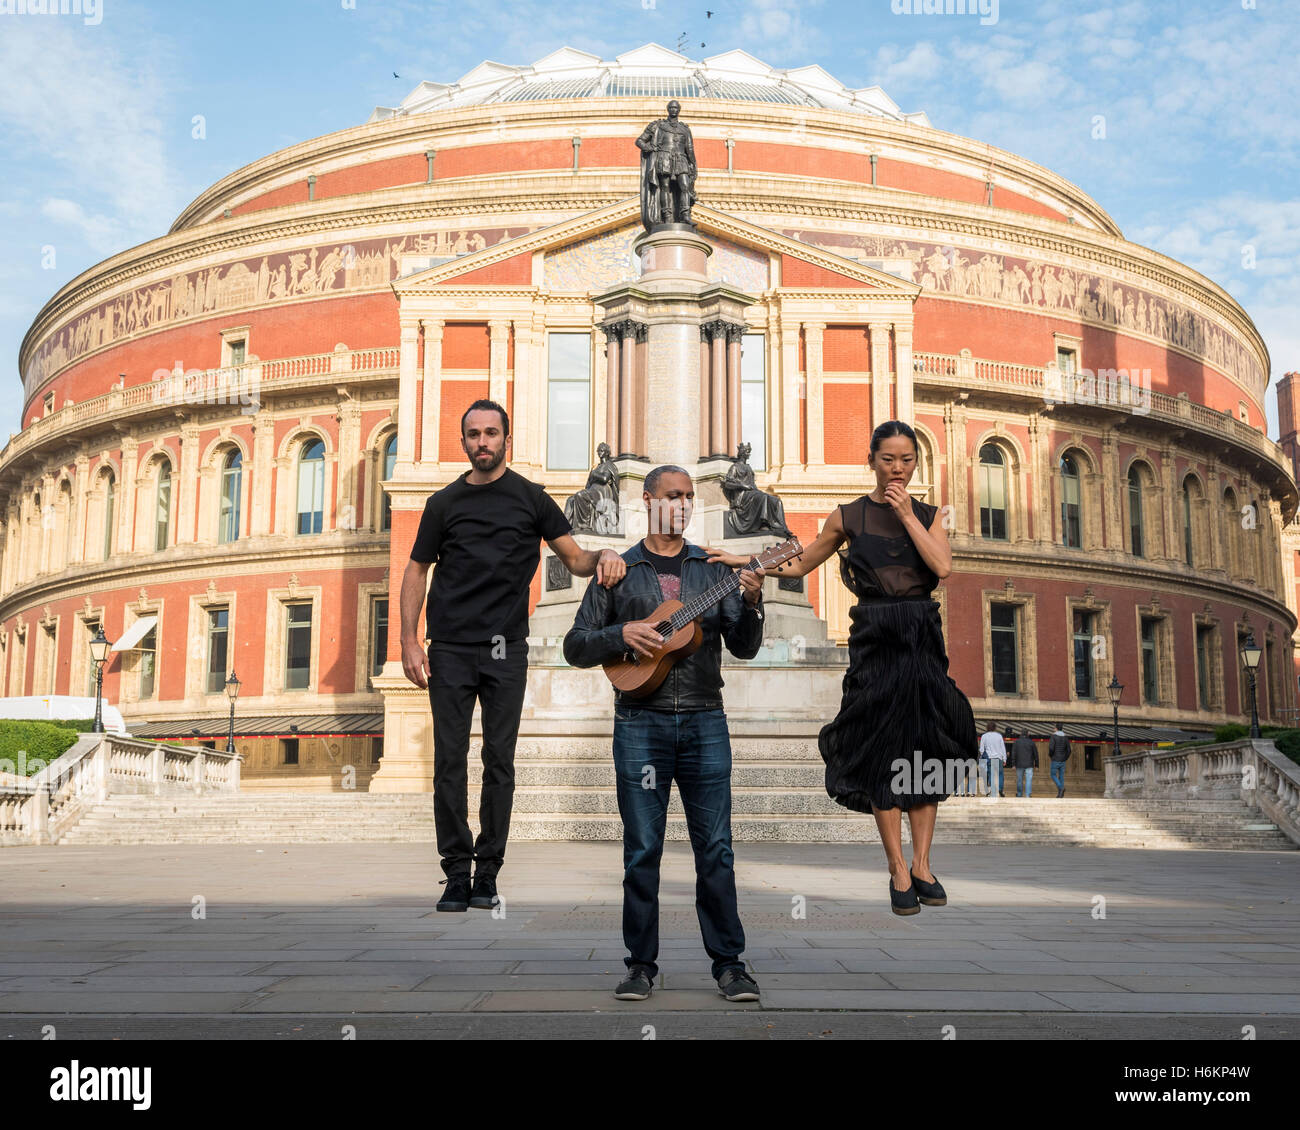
<point>737,985</point>
<point>636,986</point>
<point>456,896</point>
<point>483,894</point>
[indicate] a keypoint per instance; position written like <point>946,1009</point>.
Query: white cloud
<point>102,234</point>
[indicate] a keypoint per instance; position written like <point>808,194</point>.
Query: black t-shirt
<point>669,570</point>
<point>485,541</point>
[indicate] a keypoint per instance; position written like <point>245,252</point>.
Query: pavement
<point>298,941</point>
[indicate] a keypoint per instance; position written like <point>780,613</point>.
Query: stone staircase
<point>773,799</point>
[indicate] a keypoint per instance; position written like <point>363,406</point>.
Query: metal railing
<point>40,809</point>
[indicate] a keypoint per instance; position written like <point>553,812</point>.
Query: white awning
<point>135,633</point>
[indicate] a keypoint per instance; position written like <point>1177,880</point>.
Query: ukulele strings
<point>705,601</point>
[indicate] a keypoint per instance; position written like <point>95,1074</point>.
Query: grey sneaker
<point>636,986</point>
<point>737,985</point>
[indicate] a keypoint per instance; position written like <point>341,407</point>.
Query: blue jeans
<point>989,762</point>
<point>1058,774</point>
<point>1025,781</point>
<point>651,748</point>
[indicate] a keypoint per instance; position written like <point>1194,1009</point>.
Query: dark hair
<point>486,406</point>
<point>892,428</point>
<point>652,479</point>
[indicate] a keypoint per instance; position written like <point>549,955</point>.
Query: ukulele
<point>678,625</point>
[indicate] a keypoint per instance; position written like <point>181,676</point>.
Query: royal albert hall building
<point>228,432</point>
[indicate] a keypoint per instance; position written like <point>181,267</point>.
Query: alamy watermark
<point>91,11</point>
<point>987,10</point>
<point>1129,388</point>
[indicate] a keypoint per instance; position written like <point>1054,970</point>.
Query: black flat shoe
<point>903,902</point>
<point>932,894</point>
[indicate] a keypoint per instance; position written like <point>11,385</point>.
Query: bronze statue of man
<point>667,170</point>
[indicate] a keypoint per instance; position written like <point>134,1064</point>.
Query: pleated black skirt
<point>897,698</point>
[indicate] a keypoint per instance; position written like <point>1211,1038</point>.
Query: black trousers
<point>496,675</point>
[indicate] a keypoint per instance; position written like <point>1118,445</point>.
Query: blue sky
<point>1199,160</point>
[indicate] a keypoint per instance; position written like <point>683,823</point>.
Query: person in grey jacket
<point>1024,759</point>
<point>1058,750</point>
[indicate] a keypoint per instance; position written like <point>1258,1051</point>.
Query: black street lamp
<point>1115,689</point>
<point>1250,654</point>
<point>99,656</point>
<point>232,693</point>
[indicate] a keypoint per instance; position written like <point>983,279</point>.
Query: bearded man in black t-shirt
<point>484,531</point>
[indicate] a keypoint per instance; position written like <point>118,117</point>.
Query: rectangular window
<point>218,630</point>
<point>378,634</point>
<point>148,663</point>
<point>1002,638</point>
<point>237,352</point>
<point>289,748</point>
<point>1092,757</point>
<point>376,748</point>
<point>1067,360</point>
<point>1083,673</point>
<point>297,665</point>
<point>753,398</point>
<point>568,402</point>
<point>1150,679</point>
<point>49,403</point>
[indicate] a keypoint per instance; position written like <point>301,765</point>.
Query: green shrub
<point>1230,732</point>
<point>39,742</point>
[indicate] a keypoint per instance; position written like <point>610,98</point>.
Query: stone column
<point>430,423</point>
<point>954,422</point>
<point>815,406</point>
<point>80,511</point>
<point>499,337</point>
<point>1036,427</point>
<point>262,470</point>
<point>640,372</point>
<point>706,409</point>
<point>880,375</point>
<point>1173,507</point>
<point>44,525</point>
<point>793,393</point>
<point>734,437</point>
<point>124,504</point>
<point>188,488</point>
<point>718,388</point>
<point>626,357</point>
<point>349,506</point>
<point>529,387</point>
<point>406,393</point>
<point>1112,534</point>
<point>903,371</point>
<point>613,406</point>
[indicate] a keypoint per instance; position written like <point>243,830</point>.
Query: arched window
<point>390,461</point>
<point>232,482</point>
<point>1071,534</point>
<point>108,515</point>
<point>993,493</point>
<point>1187,520</point>
<point>311,487</point>
<point>163,506</point>
<point>1135,512</point>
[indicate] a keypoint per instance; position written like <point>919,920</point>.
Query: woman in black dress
<point>897,696</point>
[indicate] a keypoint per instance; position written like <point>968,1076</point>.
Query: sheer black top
<point>879,558</point>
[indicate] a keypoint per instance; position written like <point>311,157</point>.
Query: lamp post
<point>1250,654</point>
<point>232,693</point>
<point>99,656</point>
<point>1115,689</point>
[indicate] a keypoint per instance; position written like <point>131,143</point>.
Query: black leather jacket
<point>695,682</point>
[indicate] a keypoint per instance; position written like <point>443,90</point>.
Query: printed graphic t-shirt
<point>669,570</point>
<point>485,544</point>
